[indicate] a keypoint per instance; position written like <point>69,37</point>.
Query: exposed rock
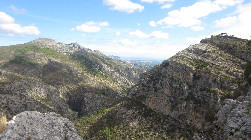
<point>36,126</point>
<point>234,118</point>
<point>192,85</point>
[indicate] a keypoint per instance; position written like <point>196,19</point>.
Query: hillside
<point>45,75</point>
<point>193,85</point>
<point>203,92</point>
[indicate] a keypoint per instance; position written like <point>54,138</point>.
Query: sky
<point>154,29</point>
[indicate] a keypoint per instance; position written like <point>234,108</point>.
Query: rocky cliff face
<point>193,85</point>
<point>234,118</point>
<point>71,80</point>
<point>31,125</point>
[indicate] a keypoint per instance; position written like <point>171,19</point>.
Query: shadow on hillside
<point>55,73</point>
<point>87,100</point>
<point>14,104</point>
<point>134,119</point>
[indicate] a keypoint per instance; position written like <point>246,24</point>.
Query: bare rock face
<point>234,118</point>
<point>35,125</point>
<point>193,85</point>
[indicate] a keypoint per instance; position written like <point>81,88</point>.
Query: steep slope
<point>192,86</point>
<point>200,93</point>
<point>45,75</point>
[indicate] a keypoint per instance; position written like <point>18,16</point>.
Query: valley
<point>202,92</point>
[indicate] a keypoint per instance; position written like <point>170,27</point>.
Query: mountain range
<point>202,92</point>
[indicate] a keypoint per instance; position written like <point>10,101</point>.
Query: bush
<point>247,73</point>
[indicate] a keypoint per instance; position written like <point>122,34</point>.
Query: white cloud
<point>83,35</point>
<point>159,1</point>
<point>225,22</point>
<point>90,26</point>
<point>197,28</point>
<point>139,34</point>
<point>156,50</point>
<point>152,23</point>
<point>138,24</point>
<point>101,24</point>
<point>159,34</point>
<point>9,27</point>
<point>193,40</point>
<point>241,28</point>
<point>117,33</point>
<point>228,2</point>
<point>17,10</point>
<point>166,6</point>
<point>86,28</point>
<point>124,5</point>
<point>154,34</point>
<point>4,18</point>
<point>126,42</point>
<point>190,16</point>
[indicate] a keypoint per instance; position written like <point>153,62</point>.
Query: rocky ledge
<point>35,125</point>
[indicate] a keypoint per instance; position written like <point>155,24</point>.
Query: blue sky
<point>128,28</point>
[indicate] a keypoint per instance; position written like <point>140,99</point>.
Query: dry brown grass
<point>3,121</point>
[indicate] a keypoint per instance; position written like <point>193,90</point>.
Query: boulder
<point>33,125</point>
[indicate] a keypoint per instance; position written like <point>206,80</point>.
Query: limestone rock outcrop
<point>193,85</point>
<point>34,125</point>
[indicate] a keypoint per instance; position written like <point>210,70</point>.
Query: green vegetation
<point>127,120</point>
<point>221,128</point>
<point>20,59</point>
<point>3,121</point>
<point>47,51</point>
<point>247,72</point>
<point>109,133</point>
<point>84,124</point>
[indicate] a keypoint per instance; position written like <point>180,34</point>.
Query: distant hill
<point>45,75</point>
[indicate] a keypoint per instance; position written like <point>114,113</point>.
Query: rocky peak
<point>58,46</point>
<point>46,41</point>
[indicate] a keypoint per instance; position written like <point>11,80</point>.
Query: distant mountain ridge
<point>202,92</point>
<point>45,75</point>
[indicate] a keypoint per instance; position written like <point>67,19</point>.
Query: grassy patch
<point>84,124</point>
<point>3,121</point>
<point>247,73</point>
<point>46,51</point>
<point>20,59</point>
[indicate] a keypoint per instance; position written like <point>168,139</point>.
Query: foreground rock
<point>234,118</point>
<point>35,125</point>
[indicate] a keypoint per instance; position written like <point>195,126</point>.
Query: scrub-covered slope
<point>45,75</point>
<point>193,85</point>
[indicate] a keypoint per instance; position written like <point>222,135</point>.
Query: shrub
<point>247,72</point>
